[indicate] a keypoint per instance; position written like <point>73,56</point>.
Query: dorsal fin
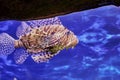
<point>23,29</point>
<point>44,22</point>
<point>26,26</point>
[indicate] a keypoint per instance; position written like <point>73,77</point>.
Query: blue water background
<point>95,57</point>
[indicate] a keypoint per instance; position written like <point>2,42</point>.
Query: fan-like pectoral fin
<point>42,57</point>
<point>20,55</point>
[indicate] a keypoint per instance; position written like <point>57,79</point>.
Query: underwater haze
<point>95,57</point>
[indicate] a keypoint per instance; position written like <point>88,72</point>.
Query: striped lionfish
<point>41,43</point>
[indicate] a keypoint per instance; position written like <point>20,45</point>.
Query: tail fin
<point>6,44</point>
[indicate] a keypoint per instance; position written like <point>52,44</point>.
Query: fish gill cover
<point>95,57</point>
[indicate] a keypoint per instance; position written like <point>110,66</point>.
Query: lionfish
<point>41,43</point>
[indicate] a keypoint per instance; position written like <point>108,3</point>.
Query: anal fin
<point>20,55</point>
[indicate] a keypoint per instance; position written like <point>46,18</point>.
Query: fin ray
<point>42,57</point>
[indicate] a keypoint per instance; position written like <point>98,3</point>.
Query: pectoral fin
<point>42,57</point>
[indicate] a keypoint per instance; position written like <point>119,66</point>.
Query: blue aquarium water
<point>95,57</point>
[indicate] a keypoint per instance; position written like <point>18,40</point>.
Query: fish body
<point>41,43</point>
<point>42,38</point>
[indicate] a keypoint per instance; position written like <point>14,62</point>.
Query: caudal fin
<point>6,44</point>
